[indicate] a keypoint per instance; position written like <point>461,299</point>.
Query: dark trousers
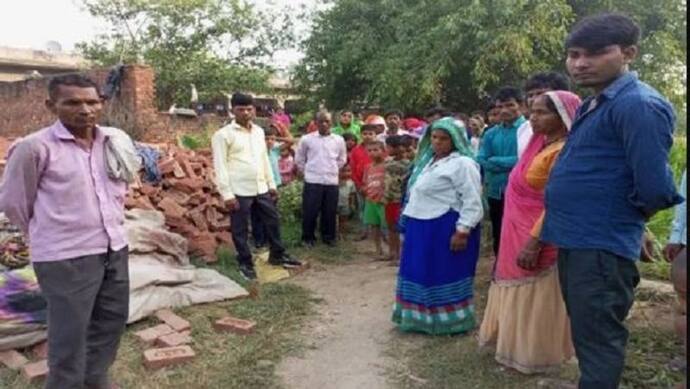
<point>259,230</point>
<point>88,305</point>
<point>598,289</point>
<point>265,210</point>
<point>496,215</point>
<point>319,200</point>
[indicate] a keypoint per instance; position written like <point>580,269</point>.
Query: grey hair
<point>323,115</point>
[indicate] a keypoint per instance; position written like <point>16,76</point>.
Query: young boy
<point>350,143</point>
<point>409,143</point>
<point>359,160</point>
<point>374,186</point>
<point>346,199</point>
<point>396,168</point>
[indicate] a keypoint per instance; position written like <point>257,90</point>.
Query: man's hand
<point>529,255</point>
<point>232,205</point>
<point>458,241</point>
<point>647,254</point>
<point>274,194</point>
<point>671,251</point>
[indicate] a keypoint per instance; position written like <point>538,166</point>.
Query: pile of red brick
<point>188,198</point>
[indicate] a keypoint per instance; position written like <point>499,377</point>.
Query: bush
<point>290,209</point>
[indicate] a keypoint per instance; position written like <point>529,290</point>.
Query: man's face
<point>324,124</point>
<point>532,94</point>
<point>243,113</point>
<point>368,136</point>
<point>393,122</point>
<point>345,119</point>
<point>593,69</point>
<point>508,110</point>
<point>77,107</point>
<point>494,116</point>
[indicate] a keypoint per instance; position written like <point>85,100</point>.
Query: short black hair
<point>393,112</point>
<point>598,31</point>
<point>509,92</point>
<point>491,105</point>
<point>241,99</point>
<point>369,127</point>
<point>394,141</point>
<point>78,80</point>
<point>550,80</point>
<point>407,140</point>
<point>437,110</point>
<point>270,131</point>
<point>349,136</point>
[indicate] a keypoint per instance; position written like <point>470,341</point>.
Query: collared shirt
<point>524,135</point>
<point>240,161</point>
<point>679,230</point>
<point>320,158</point>
<point>449,183</point>
<point>498,155</point>
<point>59,194</point>
<point>384,135</point>
<point>613,172</point>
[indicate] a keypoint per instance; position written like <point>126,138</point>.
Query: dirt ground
<point>346,341</point>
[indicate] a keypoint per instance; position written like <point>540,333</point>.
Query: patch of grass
<point>658,270</point>
<point>649,351</point>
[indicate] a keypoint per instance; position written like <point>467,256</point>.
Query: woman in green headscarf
<point>442,215</point>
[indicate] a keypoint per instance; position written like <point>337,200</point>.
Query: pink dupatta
<point>524,204</point>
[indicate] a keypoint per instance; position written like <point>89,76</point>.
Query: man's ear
<point>630,53</point>
<point>50,104</point>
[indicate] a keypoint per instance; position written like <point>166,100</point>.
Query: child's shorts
<point>392,213</point>
<point>374,214</point>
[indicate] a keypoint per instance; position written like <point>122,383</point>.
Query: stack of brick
<point>188,198</point>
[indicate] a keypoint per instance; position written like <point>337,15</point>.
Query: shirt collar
<point>517,123</point>
<point>237,126</point>
<point>62,133</point>
<point>619,84</point>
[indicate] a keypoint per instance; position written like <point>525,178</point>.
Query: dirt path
<point>346,340</point>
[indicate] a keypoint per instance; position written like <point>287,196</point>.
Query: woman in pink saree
<point>525,317</point>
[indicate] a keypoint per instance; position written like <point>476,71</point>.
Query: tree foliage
<point>217,45</point>
<point>413,53</point>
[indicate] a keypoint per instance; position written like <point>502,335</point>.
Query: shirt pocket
<point>117,190</point>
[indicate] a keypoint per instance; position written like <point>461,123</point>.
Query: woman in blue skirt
<point>441,248</point>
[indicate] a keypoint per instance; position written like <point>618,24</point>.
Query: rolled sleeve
<point>220,160</point>
<point>679,229</point>
<point>19,186</point>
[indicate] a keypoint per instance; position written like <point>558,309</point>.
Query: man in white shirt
<point>393,125</point>
<point>245,181</point>
<point>537,85</point>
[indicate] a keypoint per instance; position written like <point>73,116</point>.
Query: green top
<point>353,128</point>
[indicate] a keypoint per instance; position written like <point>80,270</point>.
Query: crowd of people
<point>567,185</point>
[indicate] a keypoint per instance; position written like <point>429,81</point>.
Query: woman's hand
<point>529,255</point>
<point>458,241</point>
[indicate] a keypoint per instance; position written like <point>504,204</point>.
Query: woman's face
<point>543,120</point>
<point>441,142</point>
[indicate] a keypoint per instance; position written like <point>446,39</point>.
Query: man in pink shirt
<point>56,188</point>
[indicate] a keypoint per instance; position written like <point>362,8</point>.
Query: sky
<point>32,23</point>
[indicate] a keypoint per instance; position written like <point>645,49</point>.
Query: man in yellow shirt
<point>244,181</point>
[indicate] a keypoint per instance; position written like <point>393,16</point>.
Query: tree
<point>217,45</point>
<point>410,54</point>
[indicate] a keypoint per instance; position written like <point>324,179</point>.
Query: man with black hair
<point>245,182</point>
<point>58,190</point>
<point>537,85</point>
<point>610,178</point>
<point>393,119</point>
<point>498,154</point>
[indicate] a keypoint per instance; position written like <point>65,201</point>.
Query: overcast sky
<point>32,23</point>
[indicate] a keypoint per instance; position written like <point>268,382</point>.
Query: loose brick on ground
<point>235,325</point>
<point>13,359</point>
<point>34,372</point>
<point>158,358</point>
<point>40,351</point>
<point>174,339</point>
<point>171,208</point>
<point>149,335</point>
<point>170,318</point>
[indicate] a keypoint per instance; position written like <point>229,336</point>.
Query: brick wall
<point>22,108</point>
